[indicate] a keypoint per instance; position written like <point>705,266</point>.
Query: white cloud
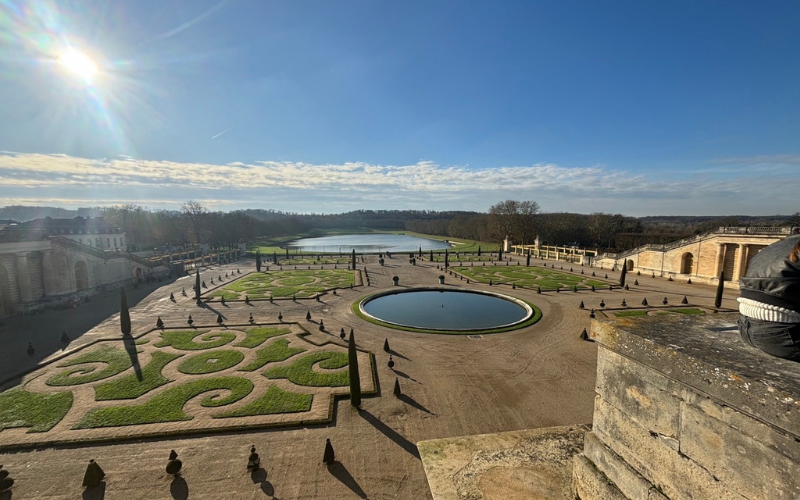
<point>298,186</point>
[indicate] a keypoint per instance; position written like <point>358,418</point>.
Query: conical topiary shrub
<point>386,345</point>
<point>159,323</point>
<point>581,306</point>
<point>329,456</point>
<point>624,273</point>
<point>197,287</point>
<point>355,381</point>
<point>396,390</point>
<point>124,314</point>
<point>644,302</point>
<point>94,475</point>
<point>720,288</point>
<point>584,335</point>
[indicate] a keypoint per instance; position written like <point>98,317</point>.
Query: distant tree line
<point>522,221</point>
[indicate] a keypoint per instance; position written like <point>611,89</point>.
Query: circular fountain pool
<point>448,311</point>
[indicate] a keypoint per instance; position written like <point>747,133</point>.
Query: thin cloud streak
<point>226,130</point>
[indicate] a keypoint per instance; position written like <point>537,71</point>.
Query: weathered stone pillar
<point>23,277</point>
<point>740,266</point>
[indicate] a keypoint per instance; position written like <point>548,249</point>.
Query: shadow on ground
<point>390,433</point>
<point>338,470</point>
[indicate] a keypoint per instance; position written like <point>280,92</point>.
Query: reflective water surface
<point>445,310</point>
<point>366,243</point>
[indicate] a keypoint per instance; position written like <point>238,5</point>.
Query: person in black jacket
<point>769,305</point>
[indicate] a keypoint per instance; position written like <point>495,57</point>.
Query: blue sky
<point>635,107</point>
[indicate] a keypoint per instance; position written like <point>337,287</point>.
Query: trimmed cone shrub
<point>94,474</point>
<point>197,287</point>
<point>328,457</point>
<point>386,345</point>
<point>624,273</point>
<point>396,390</point>
<point>355,381</point>
<point>720,288</point>
<point>124,314</point>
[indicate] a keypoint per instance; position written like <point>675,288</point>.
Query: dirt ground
<point>539,376</point>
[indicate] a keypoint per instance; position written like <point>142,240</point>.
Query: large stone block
<point>591,484</point>
<point>753,466</point>
<point>645,395</point>
<point>627,480</point>
<point>678,477</point>
<point>708,355</point>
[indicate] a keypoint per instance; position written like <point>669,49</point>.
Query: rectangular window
<point>80,240</point>
<point>115,243</point>
<point>97,242</point>
<point>108,242</point>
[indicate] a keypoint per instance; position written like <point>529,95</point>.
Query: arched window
<point>630,265</point>
<point>687,263</point>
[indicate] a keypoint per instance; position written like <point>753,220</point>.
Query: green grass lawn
<point>627,314</point>
<point>282,284</point>
<point>301,372</point>
<point>278,350</point>
<point>210,362</point>
<point>530,277</point>
<point>39,412</point>
<point>114,359</point>
<point>688,310</point>
<point>168,405</point>
<point>131,386</point>
<point>257,336</point>
<point>275,400</point>
<point>185,340</point>
<point>144,395</point>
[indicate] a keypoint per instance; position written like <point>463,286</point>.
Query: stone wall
<point>702,259</point>
<point>686,410</point>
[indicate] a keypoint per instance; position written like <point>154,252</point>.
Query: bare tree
<point>195,215</point>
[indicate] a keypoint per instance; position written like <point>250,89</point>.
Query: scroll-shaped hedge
<point>257,336</point>
<point>130,387</point>
<point>40,412</point>
<point>116,361</point>
<point>302,372</point>
<point>210,362</point>
<point>272,353</point>
<point>275,400</point>
<point>185,340</point>
<point>168,406</point>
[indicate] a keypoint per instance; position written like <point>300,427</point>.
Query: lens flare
<point>78,64</point>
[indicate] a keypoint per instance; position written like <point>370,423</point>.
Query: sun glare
<point>78,64</point>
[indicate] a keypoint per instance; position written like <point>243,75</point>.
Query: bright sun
<point>78,63</point>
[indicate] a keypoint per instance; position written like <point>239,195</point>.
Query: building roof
<point>48,226</point>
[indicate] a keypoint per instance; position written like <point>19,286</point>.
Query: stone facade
<point>47,262</point>
<point>702,258</point>
<point>686,410</point>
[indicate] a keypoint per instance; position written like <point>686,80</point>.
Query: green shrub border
<point>535,317</point>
